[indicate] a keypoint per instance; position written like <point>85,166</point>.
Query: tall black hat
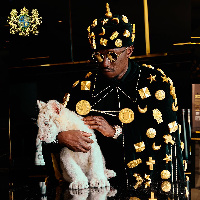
<point>111,31</point>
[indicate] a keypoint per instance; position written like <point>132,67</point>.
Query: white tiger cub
<point>80,169</point>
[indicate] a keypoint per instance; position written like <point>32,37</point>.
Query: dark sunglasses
<point>110,55</point>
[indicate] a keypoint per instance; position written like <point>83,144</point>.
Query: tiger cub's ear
<point>40,104</point>
<point>55,106</point>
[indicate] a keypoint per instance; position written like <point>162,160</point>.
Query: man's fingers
<point>88,140</point>
<point>85,134</point>
<point>85,147</point>
<point>96,127</point>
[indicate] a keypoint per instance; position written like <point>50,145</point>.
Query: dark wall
<point>21,84</point>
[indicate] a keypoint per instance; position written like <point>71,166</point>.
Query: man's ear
<point>40,104</point>
<point>55,106</point>
<point>129,51</point>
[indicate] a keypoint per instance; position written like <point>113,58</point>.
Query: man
<point>132,108</point>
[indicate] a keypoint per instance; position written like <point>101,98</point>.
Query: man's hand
<point>75,140</point>
<point>100,124</point>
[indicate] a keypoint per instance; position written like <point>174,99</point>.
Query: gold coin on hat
<point>126,115</point>
<point>83,107</point>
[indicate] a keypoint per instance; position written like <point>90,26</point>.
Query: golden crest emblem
<point>24,24</point>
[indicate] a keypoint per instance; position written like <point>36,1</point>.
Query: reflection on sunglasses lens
<point>111,56</point>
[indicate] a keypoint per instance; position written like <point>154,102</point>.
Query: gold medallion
<point>160,94</point>
<point>151,133</point>
<point>165,174</point>
<point>166,186</point>
<point>83,107</point>
<point>126,115</point>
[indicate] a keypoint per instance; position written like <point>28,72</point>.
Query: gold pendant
<point>126,115</point>
<point>166,186</point>
<point>144,110</point>
<point>165,174</point>
<point>151,133</point>
<point>160,94</point>
<point>83,107</point>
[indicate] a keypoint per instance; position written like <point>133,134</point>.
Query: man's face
<point>114,62</point>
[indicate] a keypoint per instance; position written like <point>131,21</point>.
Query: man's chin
<point>108,74</point>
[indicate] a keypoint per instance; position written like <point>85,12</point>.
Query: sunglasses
<point>110,55</point>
